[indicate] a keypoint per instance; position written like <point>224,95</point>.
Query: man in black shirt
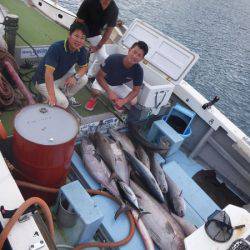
<point>96,14</point>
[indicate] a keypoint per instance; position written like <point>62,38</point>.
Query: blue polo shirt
<point>117,73</point>
<point>61,59</point>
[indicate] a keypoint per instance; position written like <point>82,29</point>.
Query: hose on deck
<point>92,192</point>
<point>109,244</point>
<point>36,187</point>
<point>31,201</point>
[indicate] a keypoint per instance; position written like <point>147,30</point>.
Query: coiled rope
<point>7,93</point>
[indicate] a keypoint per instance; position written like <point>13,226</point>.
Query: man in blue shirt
<point>56,78</point>
<point>116,72</point>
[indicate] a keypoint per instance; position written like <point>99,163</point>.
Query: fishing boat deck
<point>37,29</point>
<point>33,26</point>
<point>188,173</point>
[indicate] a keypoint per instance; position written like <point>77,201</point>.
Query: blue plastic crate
<point>185,115</point>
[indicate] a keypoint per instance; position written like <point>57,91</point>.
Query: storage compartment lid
<point>165,54</point>
<point>45,125</point>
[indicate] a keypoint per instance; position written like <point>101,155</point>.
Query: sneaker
<point>90,105</point>
<point>118,108</point>
<point>73,102</point>
<point>91,79</point>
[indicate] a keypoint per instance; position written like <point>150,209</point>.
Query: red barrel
<point>43,144</point>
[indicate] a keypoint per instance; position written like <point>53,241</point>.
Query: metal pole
<point>14,76</point>
<point>11,27</point>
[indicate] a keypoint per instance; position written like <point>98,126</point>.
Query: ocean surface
<point>218,30</point>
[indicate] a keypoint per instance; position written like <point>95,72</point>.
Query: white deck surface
<point>200,240</point>
<point>22,235</point>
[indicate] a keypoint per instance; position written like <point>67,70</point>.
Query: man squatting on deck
<point>55,77</point>
<point>96,14</point>
<point>116,72</point>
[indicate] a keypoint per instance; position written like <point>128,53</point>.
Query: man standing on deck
<point>56,78</point>
<point>96,14</point>
<point>115,73</point>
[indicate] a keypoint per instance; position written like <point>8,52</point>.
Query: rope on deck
<point>7,96</point>
<point>7,93</point>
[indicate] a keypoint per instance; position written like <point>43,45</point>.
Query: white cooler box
<point>156,90</point>
<point>165,65</point>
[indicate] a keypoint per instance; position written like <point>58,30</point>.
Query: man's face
<point>105,3</point>
<point>76,39</point>
<point>135,55</point>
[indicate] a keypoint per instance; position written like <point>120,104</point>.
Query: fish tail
<point>142,212</point>
<point>122,209</point>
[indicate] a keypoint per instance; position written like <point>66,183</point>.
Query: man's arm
<point>71,81</point>
<point>79,20</point>
<point>101,80</point>
<point>82,70</point>
<point>104,39</point>
<point>49,81</point>
<point>135,91</point>
<point>105,36</point>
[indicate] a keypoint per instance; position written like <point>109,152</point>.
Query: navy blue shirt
<point>61,59</point>
<point>117,73</point>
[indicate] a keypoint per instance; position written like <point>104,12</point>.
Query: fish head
<point>179,206</point>
<point>92,137</point>
<point>87,145</point>
<point>100,139</point>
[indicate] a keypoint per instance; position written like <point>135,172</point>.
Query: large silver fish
<point>99,171</point>
<point>187,227</point>
<point>142,156</point>
<point>113,156</point>
<point>146,176</point>
<point>163,229</point>
<point>123,139</point>
<point>175,197</point>
<point>128,195</point>
<point>158,173</point>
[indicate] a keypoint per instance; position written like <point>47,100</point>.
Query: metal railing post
<point>11,27</point>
